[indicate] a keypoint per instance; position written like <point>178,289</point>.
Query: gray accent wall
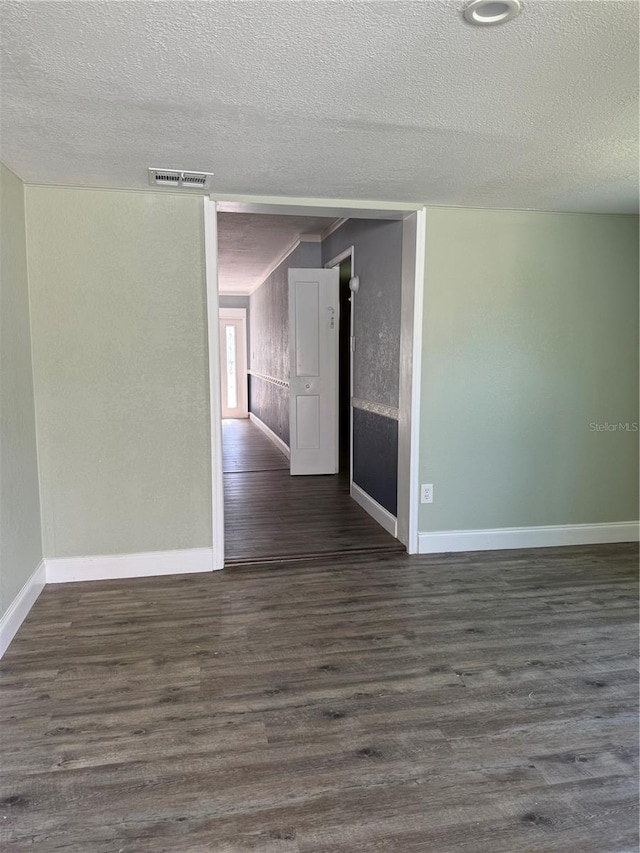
<point>20,534</point>
<point>118,312</point>
<point>269,339</point>
<point>270,403</point>
<point>378,263</point>
<point>376,438</point>
<point>376,363</point>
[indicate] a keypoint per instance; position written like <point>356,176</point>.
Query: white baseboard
<point>113,566</point>
<point>20,606</point>
<point>375,510</point>
<point>279,443</point>
<point>549,536</point>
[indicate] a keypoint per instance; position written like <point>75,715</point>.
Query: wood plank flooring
<point>245,448</point>
<point>271,515</point>
<point>475,703</point>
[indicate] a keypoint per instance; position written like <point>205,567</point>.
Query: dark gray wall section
<point>376,362</point>
<point>375,457</point>
<point>270,403</point>
<point>238,302</point>
<point>378,263</point>
<point>269,339</point>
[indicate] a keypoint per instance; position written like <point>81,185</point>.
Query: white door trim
<point>330,207</point>
<point>215,407</point>
<point>416,379</point>
<point>348,253</point>
<point>325,207</point>
<point>233,314</point>
<point>334,262</point>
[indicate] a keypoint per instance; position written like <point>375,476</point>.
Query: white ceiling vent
<point>177,178</point>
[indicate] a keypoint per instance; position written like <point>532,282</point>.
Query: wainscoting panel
<point>375,457</point>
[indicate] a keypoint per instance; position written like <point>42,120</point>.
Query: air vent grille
<point>190,179</point>
<point>177,178</point>
<point>167,178</point>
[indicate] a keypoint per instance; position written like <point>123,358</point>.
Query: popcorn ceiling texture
<point>374,100</point>
<point>250,243</point>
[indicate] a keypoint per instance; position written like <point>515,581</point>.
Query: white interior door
<point>233,363</point>
<point>314,306</point>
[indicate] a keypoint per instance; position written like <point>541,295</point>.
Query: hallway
<point>271,515</point>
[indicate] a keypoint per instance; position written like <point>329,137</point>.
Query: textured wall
<point>377,313</point>
<point>378,262</point>
<point>119,347</point>
<point>20,538</point>
<point>269,346</point>
<point>530,335</point>
<point>354,99</point>
<point>270,403</point>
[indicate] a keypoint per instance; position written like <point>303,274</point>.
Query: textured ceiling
<point>249,244</point>
<point>368,99</point>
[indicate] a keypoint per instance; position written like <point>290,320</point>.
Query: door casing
<point>335,262</point>
<point>413,281</point>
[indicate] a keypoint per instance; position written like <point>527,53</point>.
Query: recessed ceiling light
<point>485,13</point>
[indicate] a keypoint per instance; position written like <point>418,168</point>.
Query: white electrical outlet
<point>426,493</point>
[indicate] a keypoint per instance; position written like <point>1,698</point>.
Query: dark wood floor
<point>269,514</point>
<point>478,703</point>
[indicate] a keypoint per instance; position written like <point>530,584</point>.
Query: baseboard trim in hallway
<point>279,443</point>
<point>379,513</point>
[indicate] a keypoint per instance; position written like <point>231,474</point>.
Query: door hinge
<point>353,343</point>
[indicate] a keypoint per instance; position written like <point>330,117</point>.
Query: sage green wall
<point>530,335</point>
<point>120,368</point>
<point>20,538</point>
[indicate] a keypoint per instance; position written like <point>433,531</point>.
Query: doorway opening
<point>345,266</point>
<point>274,510</point>
<point>233,362</point>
